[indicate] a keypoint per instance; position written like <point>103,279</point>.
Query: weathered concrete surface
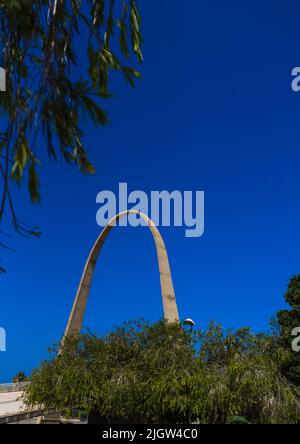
<point>11,403</point>
<point>168,296</point>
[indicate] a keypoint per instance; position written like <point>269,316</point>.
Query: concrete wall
<point>13,387</point>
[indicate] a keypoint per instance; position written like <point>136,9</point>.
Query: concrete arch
<point>168,296</point>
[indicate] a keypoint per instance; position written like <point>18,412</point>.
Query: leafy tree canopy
<point>47,93</point>
<point>287,320</point>
<point>20,377</point>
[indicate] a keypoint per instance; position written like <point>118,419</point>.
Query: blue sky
<point>214,112</point>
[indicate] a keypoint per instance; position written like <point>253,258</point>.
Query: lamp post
<point>189,322</point>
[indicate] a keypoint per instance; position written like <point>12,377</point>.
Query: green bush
<point>161,373</point>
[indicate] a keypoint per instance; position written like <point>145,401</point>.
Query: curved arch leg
<point>168,296</point>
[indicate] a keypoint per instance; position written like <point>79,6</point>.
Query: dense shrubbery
<point>162,373</point>
<point>287,320</point>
